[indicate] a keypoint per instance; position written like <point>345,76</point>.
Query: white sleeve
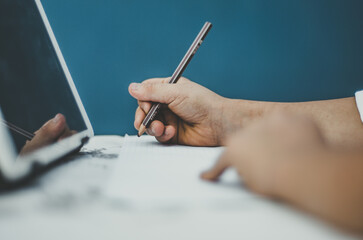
<point>359,101</point>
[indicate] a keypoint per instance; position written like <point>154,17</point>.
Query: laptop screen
<point>33,85</point>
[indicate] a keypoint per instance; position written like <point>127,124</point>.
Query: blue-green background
<point>278,50</point>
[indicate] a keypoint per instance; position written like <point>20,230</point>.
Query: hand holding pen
<point>152,113</point>
<point>192,115</point>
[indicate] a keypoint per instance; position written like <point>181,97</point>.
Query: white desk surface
<point>68,203</point>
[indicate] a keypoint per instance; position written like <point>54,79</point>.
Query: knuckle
<point>148,88</point>
<point>165,80</point>
<point>146,80</point>
<point>149,80</point>
<point>184,79</point>
<point>170,98</point>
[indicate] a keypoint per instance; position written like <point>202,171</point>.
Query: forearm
<point>338,119</point>
<point>328,184</point>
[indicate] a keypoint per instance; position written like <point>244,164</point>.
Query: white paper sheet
<point>150,173</point>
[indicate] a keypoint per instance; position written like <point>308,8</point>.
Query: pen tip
<point>141,130</point>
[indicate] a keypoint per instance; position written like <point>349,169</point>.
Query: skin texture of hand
<point>337,119</point>
<point>52,131</point>
<point>285,157</point>
<point>191,113</point>
<point>194,115</point>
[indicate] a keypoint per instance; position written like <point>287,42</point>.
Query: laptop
<point>35,85</point>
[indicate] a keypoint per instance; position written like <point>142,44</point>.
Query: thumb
<point>52,130</point>
<point>155,92</point>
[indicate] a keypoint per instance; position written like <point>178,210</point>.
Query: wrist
<point>237,114</point>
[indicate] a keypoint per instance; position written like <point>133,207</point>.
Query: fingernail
<point>166,132</point>
<point>56,118</point>
<point>135,86</point>
<point>152,131</point>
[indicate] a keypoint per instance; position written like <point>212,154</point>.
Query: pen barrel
<point>17,129</point>
<point>191,52</point>
<point>151,114</point>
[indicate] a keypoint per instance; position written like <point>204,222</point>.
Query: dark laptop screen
<point>33,86</point>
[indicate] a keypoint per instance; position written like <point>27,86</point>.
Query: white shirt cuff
<point>359,101</point>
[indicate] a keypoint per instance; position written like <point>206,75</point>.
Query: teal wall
<point>280,50</point>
